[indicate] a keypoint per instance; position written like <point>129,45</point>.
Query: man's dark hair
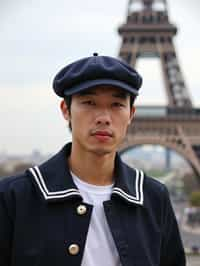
<point>68,101</point>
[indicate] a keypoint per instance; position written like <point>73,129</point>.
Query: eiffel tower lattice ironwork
<point>148,32</point>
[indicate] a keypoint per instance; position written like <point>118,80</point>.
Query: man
<point>85,206</point>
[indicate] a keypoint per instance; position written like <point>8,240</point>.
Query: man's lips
<point>102,133</point>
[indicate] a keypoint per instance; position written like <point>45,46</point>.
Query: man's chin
<point>102,151</point>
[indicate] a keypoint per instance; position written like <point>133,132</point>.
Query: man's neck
<point>92,168</point>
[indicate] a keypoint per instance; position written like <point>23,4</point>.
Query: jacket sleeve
<point>5,230</point>
<point>172,251</point>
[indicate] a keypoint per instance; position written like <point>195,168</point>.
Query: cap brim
<point>97,82</point>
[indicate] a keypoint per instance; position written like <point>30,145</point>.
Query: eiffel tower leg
<point>176,90</point>
<point>196,150</point>
<point>129,54</point>
<point>191,152</point>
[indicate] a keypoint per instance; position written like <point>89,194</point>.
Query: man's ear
<point>132,113</point>
<point>65,110</point>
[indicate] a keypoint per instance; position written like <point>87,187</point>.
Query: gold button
<point>81,209</point>
<point>73,249</point>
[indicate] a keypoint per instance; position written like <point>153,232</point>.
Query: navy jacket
<point>40,218</point>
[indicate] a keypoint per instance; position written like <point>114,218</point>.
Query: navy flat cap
<point>94,71</point>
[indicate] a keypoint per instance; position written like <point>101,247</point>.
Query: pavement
<point>190,234</point>
<point>193,260</point>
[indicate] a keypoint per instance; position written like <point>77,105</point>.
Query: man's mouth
<point>102,135</point>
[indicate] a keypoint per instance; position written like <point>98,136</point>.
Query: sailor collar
<point>54,181</point>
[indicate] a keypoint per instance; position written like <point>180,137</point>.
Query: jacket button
<point>73,249</point>
<point>81,209</point>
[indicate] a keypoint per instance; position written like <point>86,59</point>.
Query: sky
<point>38,38</point>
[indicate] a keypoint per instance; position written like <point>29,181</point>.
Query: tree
<point>195,198</point>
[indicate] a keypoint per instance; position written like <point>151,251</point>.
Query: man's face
<point>99,118</point>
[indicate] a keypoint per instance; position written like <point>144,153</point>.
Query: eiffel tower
<point>149,33</point>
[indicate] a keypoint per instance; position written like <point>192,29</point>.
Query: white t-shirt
<point>100,248</point>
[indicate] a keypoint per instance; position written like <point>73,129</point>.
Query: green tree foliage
<point>195,198</point>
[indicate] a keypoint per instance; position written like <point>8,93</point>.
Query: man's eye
<point>117,104</point>
<point>88,102</point>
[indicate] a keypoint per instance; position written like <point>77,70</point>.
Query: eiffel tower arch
<point>148,32</point>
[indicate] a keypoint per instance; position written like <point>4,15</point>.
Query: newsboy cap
<point>94,71</point>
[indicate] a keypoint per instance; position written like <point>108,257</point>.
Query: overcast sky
<point>37,38</point>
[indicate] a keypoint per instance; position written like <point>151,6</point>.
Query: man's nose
<point>103,117</point>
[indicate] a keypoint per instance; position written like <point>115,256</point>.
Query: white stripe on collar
<point>46,193</point>
<point>139,199</point>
